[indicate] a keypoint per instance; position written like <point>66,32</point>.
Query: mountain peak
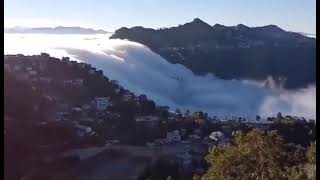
<point>198,22</point>
<point>273,28</point>
<point>242,26</point>
<point>219,26</point>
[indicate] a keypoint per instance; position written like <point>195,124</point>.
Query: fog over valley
<point>141,71</point>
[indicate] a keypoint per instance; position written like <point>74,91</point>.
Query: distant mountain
<point>232,51</point>
<point>56,30</point>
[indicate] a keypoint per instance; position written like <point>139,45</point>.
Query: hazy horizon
<point>300,16</point>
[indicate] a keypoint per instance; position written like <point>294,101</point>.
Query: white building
<point>216,136</point>
<point>102,103</point>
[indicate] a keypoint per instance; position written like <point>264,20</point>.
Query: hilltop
<point>232,52</point>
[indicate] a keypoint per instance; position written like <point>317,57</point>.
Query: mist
<point>141,71</point>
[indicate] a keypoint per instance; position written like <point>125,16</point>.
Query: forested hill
<point>233,51</point>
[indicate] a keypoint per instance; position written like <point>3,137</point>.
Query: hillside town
<point>88,110</point>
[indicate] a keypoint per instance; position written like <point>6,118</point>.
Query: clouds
<point>301,102</point>
<point>144,72</point>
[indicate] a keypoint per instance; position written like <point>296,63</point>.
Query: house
<point>42,65</point>
<point>114,82</point>
<point>78,82</point>
<point>45,79</point>
<point>22,76</point>
<point>143,98</point>
<point>171,119</point>
<point>34,79</point>
<point>16,67</point>
<point>227,128</point>
<point>67,82</point>
<point>77,109</point>
<point>117,90</point>
<point>82,65</point>
<point>127,96</point>
<point>63,107</point>
<point>312,121</point>
<point>34,63</point>
<point>33,73</point>
<point>147,121</point>
<point>87,65</point>
<point>82,130</point>
<point>173,136</point>
<point>86,107</point>
<point>7,67</point>
<point>70,63</point>
<point>200,121</point>
<point>35,108</point>
<point>28,68</point>
<point>184,159</point>
<point>150,144</point>
<point>92,71</point>
<point>198,131</point>
<point>44,55</point>
<point>224,141</point>
<point>100,72</point>
<point>263,126</point>
<point>216,136</point>
<point>65,59</point>
<point>159,108</point>
<point>49,98</point>
<point>102,103</point>
<point>194,137</point>
<point>183,132</point>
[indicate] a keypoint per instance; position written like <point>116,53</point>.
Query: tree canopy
<point>258,155</point>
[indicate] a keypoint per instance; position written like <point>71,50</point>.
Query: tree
<point>258,118</point>
<point>255,155</point>
<point>305,170</point>
<point>310,167</point>
<point>187,113</point>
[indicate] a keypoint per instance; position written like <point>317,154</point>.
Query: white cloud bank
<point>143,72</point>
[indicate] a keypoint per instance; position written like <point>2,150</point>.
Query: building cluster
<point>178,128</point>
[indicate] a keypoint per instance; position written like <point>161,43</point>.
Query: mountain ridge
<point>232,51</point>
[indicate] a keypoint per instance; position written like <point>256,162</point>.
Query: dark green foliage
<point>295,133</point>
<point>23,136</point>
<point>255,155</point>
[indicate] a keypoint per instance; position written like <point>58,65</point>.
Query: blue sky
<point>292,15</point>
